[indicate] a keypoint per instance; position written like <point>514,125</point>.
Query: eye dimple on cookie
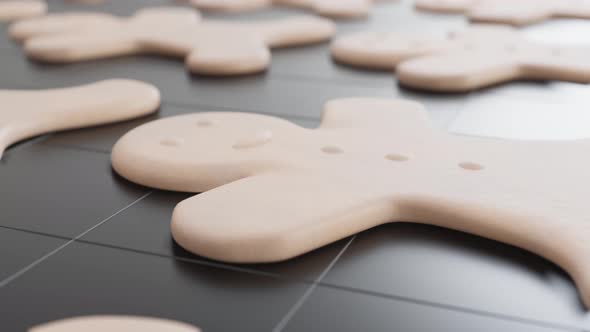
<point>473,58</point>
<point>114,323</point>
<point>329,8</point>
<point>208,47</point>
<point>12,10</point>
<point>28,113</point>
<point>518,13</point>
<point>272,190</point>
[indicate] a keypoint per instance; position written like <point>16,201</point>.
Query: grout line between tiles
<point>451,307</point>
<point>61,237</point>
<point>316,79</point>
<point>19,145</point>
<point>76,147</point>
<point>319,283</point>
<point>192,261</point>
<point>58,249</point>
<point>289,315</point>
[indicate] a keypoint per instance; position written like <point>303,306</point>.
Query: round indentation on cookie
<point>396,157</point>
<point>204,123</point>
<point>172,141</point>
<point>470,166</point>
<point>260,138</point>
<point>331,149</point>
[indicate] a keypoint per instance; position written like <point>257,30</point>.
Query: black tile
<point>109,6</point>
<point>335,310</point>
<point>84,279</point>
<point>5,41</point>
<point>58,191</point>
<point>314,62</point>
<point>146,227</point>
<point>19,249</point>
<point>444,266</point>
<point>102,138</point>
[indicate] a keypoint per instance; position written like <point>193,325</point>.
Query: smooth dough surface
<point>477,57</point>
<point>517,13</point>
<point>28,113</point>
<point>208,47</point>
<point>12,10</point>
<point>272,190</point>
<point>328,8</point>
<point>114,324</point>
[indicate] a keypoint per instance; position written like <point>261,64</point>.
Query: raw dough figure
<point>471,59</point>
<point>513,12</point>
<point>273,190</point>
<point>209,47</point>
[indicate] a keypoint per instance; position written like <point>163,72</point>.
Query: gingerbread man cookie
<point>27,114</point>
<point>114,324</point>
<point>466,60</point>
<point>328,8</point>
<point>518,13</point>
<point>273,190</point>
<point>12,10</point>
<point>209,47</point>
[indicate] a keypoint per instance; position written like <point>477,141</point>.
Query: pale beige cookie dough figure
<point>328,8</point>
<point>474,58</point>
<point>513,12</point>
<point>28,113</point>
<point>273,190</point>
<point>208,47</point>
<point>114,324</point>
<point>12,10</point>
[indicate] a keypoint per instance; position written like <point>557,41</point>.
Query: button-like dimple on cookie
<point>331,149</point>
<point>172,141</point>
<point>396,157</point>
<point>470,166</point>
<point>204,123</point>
<point>259,139</point>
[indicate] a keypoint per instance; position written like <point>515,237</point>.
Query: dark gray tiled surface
<point>329,309</point>
<point>443,266</point>
<point>63,184</point>
<point>146,227</point>
<point>25,248</point>
<point>58,191</point>
<point>84,279</point>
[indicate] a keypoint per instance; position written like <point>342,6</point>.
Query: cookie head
<point>200,151</point>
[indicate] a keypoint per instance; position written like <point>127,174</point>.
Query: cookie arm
<point>560,63</point>
<point>31,113</point>
<point>293,31</point>
<point>458,71</point>
<point>81,46</point>
<point>274,217</point>
<point>513,14</point>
